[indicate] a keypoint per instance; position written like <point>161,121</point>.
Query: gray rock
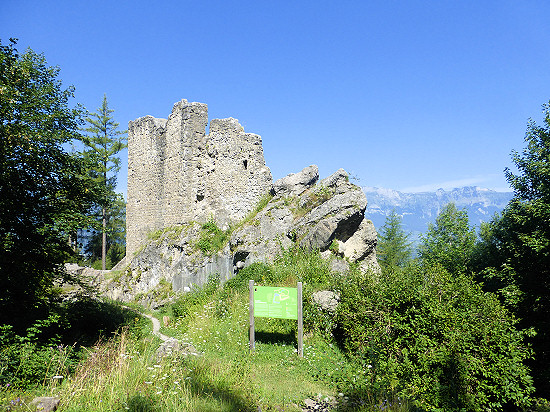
<point>337,218</point>
<point>361,243</point>
<point>338,179</point>
<point>172,347</point>
<point>45,404</point>
<point>326,300</point>
<point>295,184</point>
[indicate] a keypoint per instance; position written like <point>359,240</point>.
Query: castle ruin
<point>177,173</point>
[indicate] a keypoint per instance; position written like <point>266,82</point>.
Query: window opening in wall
<point>200,198</point>
<point>245,163</point>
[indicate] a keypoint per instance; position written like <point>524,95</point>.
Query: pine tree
<point>103,143</point>
<point>394,248</point>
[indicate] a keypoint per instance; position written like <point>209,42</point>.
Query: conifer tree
<point>103,143</point>
<point>394,248</point>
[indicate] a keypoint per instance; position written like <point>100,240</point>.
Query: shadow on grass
<point>276,338</point>
<point>140,403</point>
<point>203,386</point>
<point>90,319</point>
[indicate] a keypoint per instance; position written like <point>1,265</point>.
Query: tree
<point>394,248</point>
<point>116,237</point>
<point>450,241</point>
<point>103,143</point>
<point>44,193</point>
<point>517,248</point>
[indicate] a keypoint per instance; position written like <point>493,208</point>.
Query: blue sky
<point>407,95</point>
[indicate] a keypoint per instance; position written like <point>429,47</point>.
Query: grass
<point>122,373</point>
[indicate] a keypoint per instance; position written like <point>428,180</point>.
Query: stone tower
<point>177,173</point>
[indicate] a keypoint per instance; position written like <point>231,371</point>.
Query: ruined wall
<point>177,173</point>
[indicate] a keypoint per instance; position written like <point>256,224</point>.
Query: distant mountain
<point>419,209</point>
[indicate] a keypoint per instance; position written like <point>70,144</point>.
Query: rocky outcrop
<point>295,184</point>
<point>323,213</point>
<point>325,216</point>
<point>183,183</point>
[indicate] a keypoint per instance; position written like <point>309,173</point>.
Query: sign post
<point>275,302</point>
<point>251,313</point>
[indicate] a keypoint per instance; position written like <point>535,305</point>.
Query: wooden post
<point>300,323</point>
<point>251,313</point>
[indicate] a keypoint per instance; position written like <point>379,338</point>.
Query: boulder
<point>326,300</point>
<point>337,217</point>
<point>172,347</point>
<point>361,243</point>
<point>295,184</point>
<point>45,404</point>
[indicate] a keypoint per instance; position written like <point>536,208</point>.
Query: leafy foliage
<point>52,346</point>
<point>516,245</point>
<point>44,192</point>
<point>434,338</point>
<point>212,239</point>
<point>450,242</point>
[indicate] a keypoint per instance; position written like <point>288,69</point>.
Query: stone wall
<point>177,173</point>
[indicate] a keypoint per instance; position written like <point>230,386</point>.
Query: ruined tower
<point>177,173</point>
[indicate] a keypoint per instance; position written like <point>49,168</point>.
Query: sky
<point>407,95</point>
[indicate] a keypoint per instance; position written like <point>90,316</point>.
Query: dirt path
<point>156,328</point>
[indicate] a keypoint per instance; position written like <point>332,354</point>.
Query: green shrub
<point>212,239</point>
<point>187,303</point>
<point>51,346</point>
<point>32,359</point>
<point>435,339</point>
<point>298,265</point>
<point>259,272</point>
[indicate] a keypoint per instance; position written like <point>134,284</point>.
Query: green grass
<point>122,372</point>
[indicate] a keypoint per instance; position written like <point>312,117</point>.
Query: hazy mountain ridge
<point>419,209</point>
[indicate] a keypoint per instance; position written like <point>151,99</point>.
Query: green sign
<point>275,302</point>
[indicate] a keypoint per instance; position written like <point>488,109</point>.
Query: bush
<point>298,265</point>
<point>186,304</point>
<point>51,346</point>
<point>212,239</point>
<point>29,360</point>
<point>435,339</point>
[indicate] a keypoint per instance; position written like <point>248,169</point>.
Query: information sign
<point>275,302</point>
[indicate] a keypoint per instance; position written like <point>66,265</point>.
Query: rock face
<point>296,183</point>
<point>323,213</point>
<point>177,173</point>
<point>183,182</point>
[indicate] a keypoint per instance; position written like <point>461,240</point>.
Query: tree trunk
<point>104,240</point>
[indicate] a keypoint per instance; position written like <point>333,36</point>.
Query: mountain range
<point>420,209</point>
